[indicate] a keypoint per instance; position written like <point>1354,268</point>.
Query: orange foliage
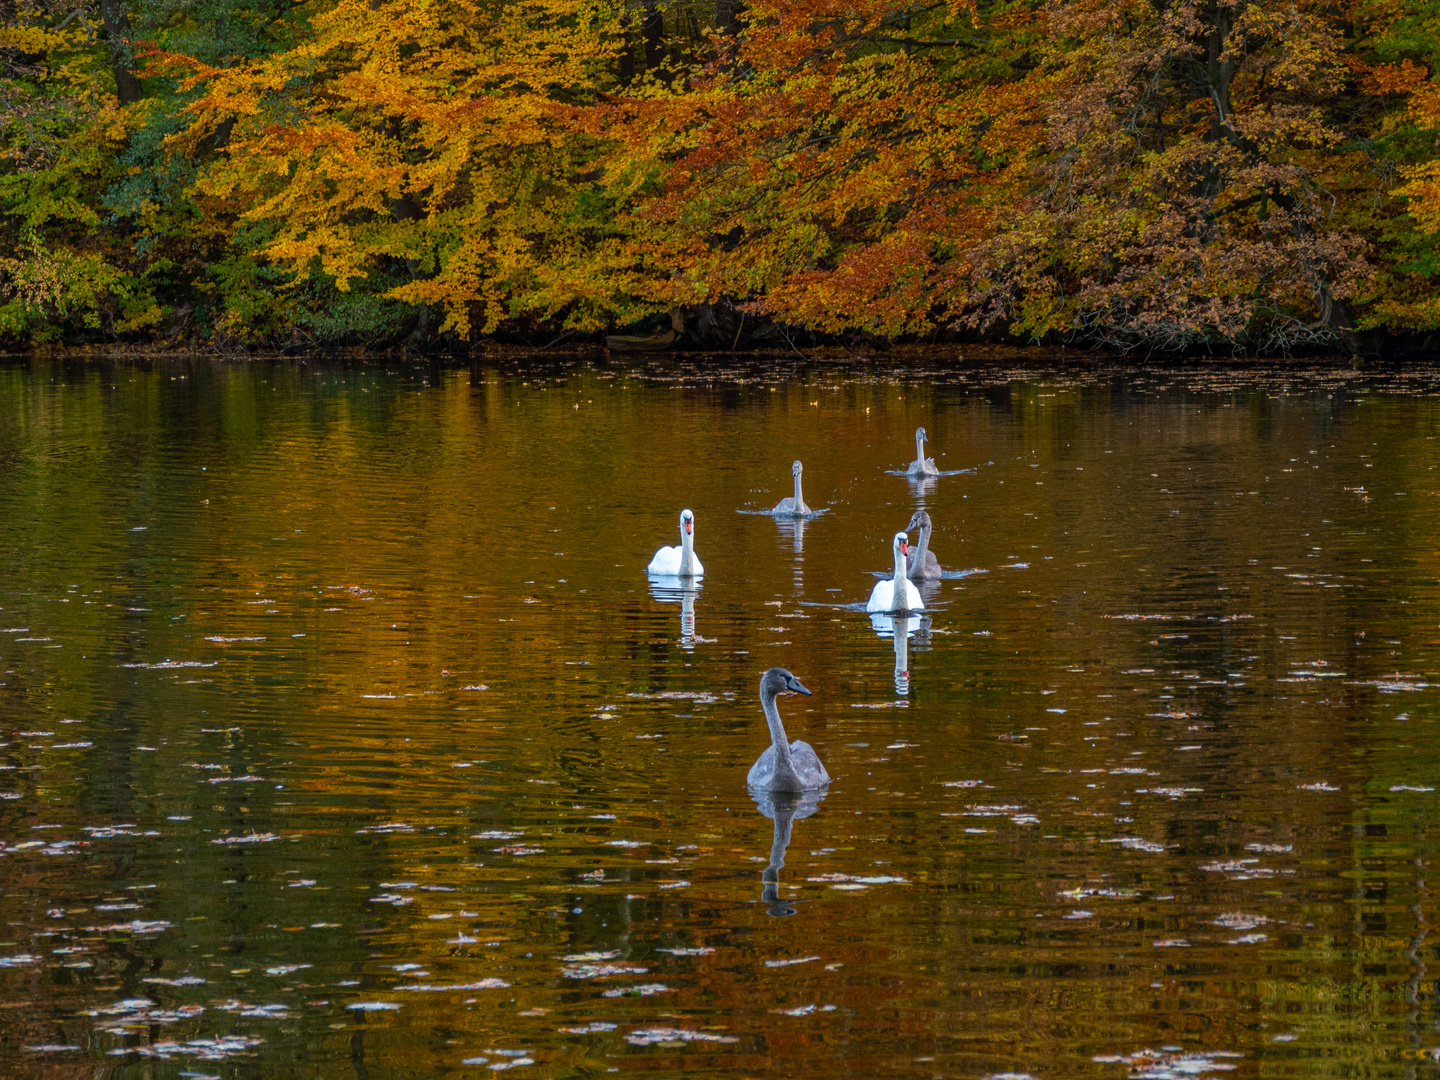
<point>1128,171</point>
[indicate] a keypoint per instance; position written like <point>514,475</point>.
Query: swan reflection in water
<point>675,590</point>
<point>922,487</point>
<point>793,528</point>
<point>783,808</point>
<point>886,626</point>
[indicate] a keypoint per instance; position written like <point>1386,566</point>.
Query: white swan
<point>679,561</point>
<point>784,766</point>
<point>923,563</point>
<point>922,465</point>
<point>793,505</point>
<point>897,594</point>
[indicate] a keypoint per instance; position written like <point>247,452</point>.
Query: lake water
<point>344,735</point>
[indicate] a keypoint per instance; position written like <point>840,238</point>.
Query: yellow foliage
<point>418,132</point>
<point>1422,188</point>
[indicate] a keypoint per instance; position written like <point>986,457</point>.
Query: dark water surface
<point>344,736</point>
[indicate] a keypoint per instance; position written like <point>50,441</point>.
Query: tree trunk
<point>122,59</point>
<point>727,21</point>
<point>652,29</point>
<point>627,52</point>
<point>1220,72</point>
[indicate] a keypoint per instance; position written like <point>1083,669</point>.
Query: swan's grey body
<point>794,505</point>
<point>922,465</point>
<point>897,593</point>
<point>922,562</point>
<point>785,766</point>
<point>679,561</point>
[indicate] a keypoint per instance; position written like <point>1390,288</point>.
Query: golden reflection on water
<point>344,690</point>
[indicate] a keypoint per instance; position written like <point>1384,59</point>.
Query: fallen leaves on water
<point>482,984</point>
<point>248,838</point>
<point>660,1035</point>
<point>601,971</point>
<point>638,990</point>
<point>788,963</point>
<point>205,1049</point>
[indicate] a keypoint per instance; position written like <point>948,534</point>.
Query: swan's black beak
<point>794,686</point>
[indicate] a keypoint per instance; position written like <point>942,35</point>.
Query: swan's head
<point>902,544</point>
<point>918,520</point>
<point>687,522</point>
<point>779,681</point>
<point>797,468</point>
<point>920,435</point>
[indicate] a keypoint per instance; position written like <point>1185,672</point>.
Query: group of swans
<point>919,562</point>
<point>894,594</point>
<point>794,766</point>
<point>681,560</point>
<point>897,594</point>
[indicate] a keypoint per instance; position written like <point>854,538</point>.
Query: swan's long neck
<point>919,447</point>
<point>687,551</point>
<point>799,499</point>
<point>784,767</point>
<point>924,544</point>
<point>899,594</point>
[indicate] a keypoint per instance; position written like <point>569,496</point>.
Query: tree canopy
<point>1158,173</point>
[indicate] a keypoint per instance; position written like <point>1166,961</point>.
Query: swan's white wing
<point>881,596</point>
<point>666,561</point>
<point>913,602</point>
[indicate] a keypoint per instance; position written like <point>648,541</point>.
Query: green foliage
<point>369,170</point>
<point>45,289</point>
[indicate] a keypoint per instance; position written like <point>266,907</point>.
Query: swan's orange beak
<point>690,527</point>
<point>904,547</point>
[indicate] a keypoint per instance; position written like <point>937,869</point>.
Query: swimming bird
<point>679,561</point>
<point>793,505</point>
<point>922,562</point>
<point>897,594</point>
<point>921,466</point>
<point>784,766</point>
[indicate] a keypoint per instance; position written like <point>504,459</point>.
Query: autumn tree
<point>1399,68</point>
<point>62,126</point>
<point>836,166</point>
<point>1183,198</point>
<point>1157,173</point>
<point>416,151</point>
